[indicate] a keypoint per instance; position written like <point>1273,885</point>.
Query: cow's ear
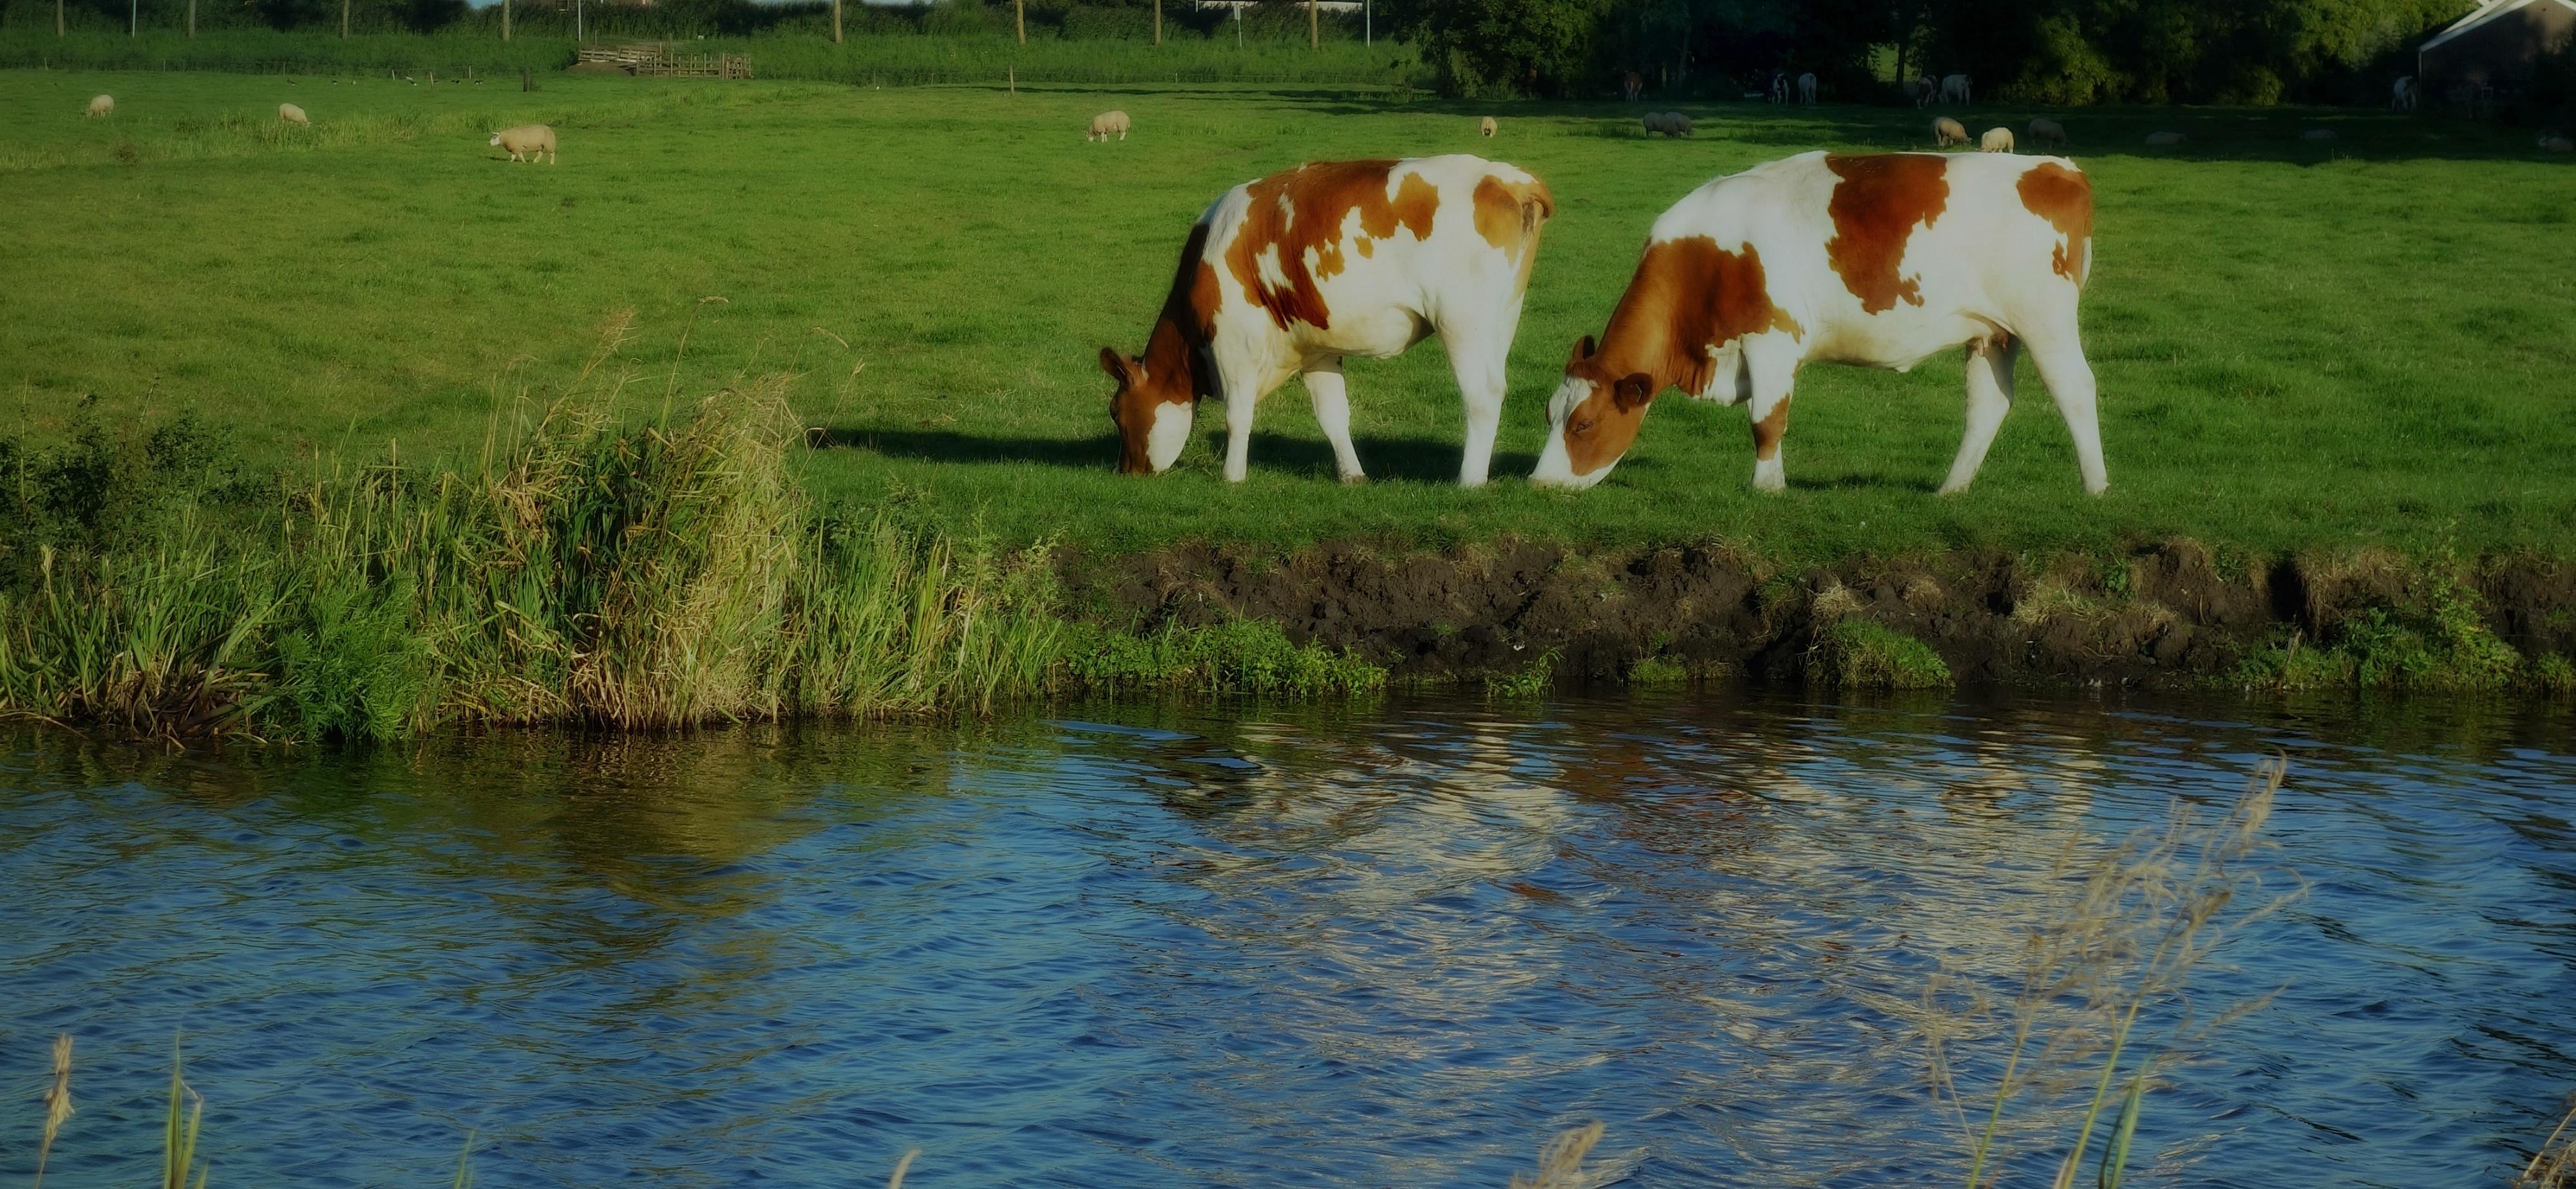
<point>1116,365</point>
<point>1632,391</point>
<point>1582,351</point>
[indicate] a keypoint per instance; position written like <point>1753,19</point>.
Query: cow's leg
<point>1239,404</point>
<point>1771,373</point>
<point>1990,392</point>
<point>1333,412</point>
<point>1476,355</point>
<point>2070,384</point>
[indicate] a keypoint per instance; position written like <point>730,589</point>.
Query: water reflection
<point>1387,944</point>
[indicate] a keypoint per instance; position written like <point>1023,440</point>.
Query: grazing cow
<point>1877,260</point>
<point>1806,88</point>
<point>2401,97</point>
<point>1291,273</point>
<point>1925,90</point>
<point>1954,88</point>
<point>1632,84</point>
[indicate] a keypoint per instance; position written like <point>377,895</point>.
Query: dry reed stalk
<point>58,1103</point>
<point>1560,1160</point>
<point>900,1166</point>
<point>2554,1165</point>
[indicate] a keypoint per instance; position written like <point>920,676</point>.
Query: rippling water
<point>1391,945</point>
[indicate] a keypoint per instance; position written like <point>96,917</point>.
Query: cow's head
<point>1591,421</point>
<point>1152,412</point>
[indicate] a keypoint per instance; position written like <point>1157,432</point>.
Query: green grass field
<point>2298,344</point>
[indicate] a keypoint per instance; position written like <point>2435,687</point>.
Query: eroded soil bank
<point>2172,613</point>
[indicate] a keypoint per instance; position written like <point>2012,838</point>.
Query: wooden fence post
<point>1158,22</point>
<point>1020,17</point>
<point>344,20</point>
<point>1314,27</point>
<point>505,20</point>
<point>836,21</point>
<point>192,20</point>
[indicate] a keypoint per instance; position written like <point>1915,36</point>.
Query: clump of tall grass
<point>2554,1165</point>
<point>2147,913</point>
<point>591,567</point>
<point>1848,650</point>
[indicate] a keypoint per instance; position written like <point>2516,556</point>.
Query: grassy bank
<point>2353,343</point>
<point>638,572</point>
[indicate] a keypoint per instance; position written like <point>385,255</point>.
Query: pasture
<point>2368,340</point>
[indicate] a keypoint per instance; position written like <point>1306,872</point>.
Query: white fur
<point>1453,284</point>
<point>1806,88</point>
<point>1996,140</point>
<point>1171,432</point>
<point>1105,123</point>
<point>292,114</point>
<point>101,105</point>
<point>1985,264</point>
<point>2401,95</point>
<point>1954,88</point>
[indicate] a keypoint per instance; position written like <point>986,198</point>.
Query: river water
<point>1389,944</point>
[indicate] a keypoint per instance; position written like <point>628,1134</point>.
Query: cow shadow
<point>1422,459</point>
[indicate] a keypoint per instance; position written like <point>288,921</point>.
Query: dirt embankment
<point>2163,614</point>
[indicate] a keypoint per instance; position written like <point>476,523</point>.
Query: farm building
<point>2497,45</point>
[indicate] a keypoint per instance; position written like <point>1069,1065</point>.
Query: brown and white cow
<point>1878,260</point>
<point>1294,272</point>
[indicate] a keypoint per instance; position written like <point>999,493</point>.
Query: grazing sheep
<point>1996,140</point>
<point>2401,96</point>
<point>2045,131</point>
<point>293,114</point>
<point>1104,124</point>
<point>1947,132</point>
<point>2317,134</point>
<point>102,105</point>
<point>2164,139</point>
<point>535,140</point>
<point>1925,90</point>
<point>1954,88</point>
<point>1806,88</point>
<point>2553,143</point>
<point>1779,86</point>
<point>1670,123</point>
<point>1486,126</point>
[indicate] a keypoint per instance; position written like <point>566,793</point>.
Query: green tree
<point>1502,47</point>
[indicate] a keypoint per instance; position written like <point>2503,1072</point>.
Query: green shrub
<point>1854,653</point>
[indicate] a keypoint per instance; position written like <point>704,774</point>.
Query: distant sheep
<point>2045,131</point>
<point>2318,134</point>
<point>102,105</point>
<point>2164,139</point>
<point>1105,123</point>
<point>1947,132</point>
<point>293,114</point>
<point>2550,143</point>
<point>1806,88</point>
<point>1670,123</point>
<point>1996,140</point>
<point>1486,127</point>
<point>2401,96</point>
<point>534,140</point>
<point>1954,88</point>
<point>1925,90</point>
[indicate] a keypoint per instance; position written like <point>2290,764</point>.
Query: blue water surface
<point>1392,944</point>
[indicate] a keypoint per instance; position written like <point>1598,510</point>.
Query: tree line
<point>2037,51</point>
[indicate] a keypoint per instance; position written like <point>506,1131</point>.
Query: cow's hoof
<point>1353,478</point>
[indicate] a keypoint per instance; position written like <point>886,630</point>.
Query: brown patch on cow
<point>1876,206</point>
<point>2064,197</point>
<point>1768,430</point>
<point>1319,199</point>
<point>1688,297</point>
<point>1509,214</point>
<point>1172,370</point>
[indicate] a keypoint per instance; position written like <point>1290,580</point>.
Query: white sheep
<point>2318,134</point>
<point>2401,96</point>
<point>293,114</point>
<point>2045,131</point>
<point>2553,143</point>
<point>102,105</point>
<point>1954,88</point>
<point>2164,139</point>
<point>535,140</point>
<point>1486,127</point>
<point>1996,140</point>
<point>1947,132</point>
<point>1806,88</point>
<point>1105,123</point>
